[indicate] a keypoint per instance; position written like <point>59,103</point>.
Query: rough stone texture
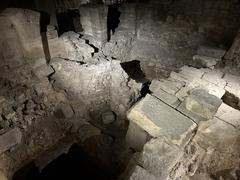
<point>232,86</point>
<point>10,139</point>
<point>140,173</point>
<point>194,79</point>
<point>204,61</point>
<point>211,52</point>
<point>76,48</point>
<point>93,18</point>
<point>108,117</point>
<point>66,111</point>
<point>26,24</point>
<point>86,131</point>
<point>215,77</point>
<point>159,157</point>
<point>221,142</point>
<point>232,56</point>
<point>158,119</point>
<point>229,115</point>
<point>170,86</point>
<point>169,99</point>
<point>202,104</point>
<point>136,137</point>
<point>108,84</point>
<point>43,71</point>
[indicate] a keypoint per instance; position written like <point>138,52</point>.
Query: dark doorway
<point>112,20</point>
<point>68,21</point>
<point>134,71</point>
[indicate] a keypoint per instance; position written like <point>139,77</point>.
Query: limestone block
<point>157,119</point>
<point>204,61</point>
<point>184,92</point>
<point>10,139</point>
<point>140,173</point>
<point>211,51</point>
<point>201,103</point>
<point>93,18</point>
<point>169,99</point>
<point>215,77</point>
<point>190,71</point>
<point>136,137</point>
<point>43,71</point>
<point>108,117</point>
<point>187,77</point>
<point>169,85</point>
<point>229,115</point>
<point>159,157</point>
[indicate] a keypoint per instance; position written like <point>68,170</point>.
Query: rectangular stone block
<point>204,61</point>
<point>10,139</point>
<point>215,77</point>
<point>200,105</point>
<point>169,99</point>
<point>159,119</point>
<point>211,51</point>
<point>169,85</point>
<point>191,72</point>
<point>229,115</point>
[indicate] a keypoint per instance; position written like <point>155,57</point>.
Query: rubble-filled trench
<point>129,90</point>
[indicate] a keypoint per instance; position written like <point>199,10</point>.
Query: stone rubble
<point>84,83</point>
<point>202,154</point>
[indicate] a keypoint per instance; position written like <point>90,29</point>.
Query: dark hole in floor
<point>231,100</point>
<point>133,69</point>
<point>76,165</point>
<point>145,89</point>
<point>112,20</point>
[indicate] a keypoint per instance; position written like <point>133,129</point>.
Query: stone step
<point>210,51</point>
<point>159,119</point>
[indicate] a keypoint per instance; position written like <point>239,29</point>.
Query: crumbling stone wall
<point>232,57</point>
<point>168,32</point>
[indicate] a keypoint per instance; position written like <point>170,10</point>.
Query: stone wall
<point>21,30</point>
<point>168,32</point>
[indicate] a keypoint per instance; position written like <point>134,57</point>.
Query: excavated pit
<point>113,89</point>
